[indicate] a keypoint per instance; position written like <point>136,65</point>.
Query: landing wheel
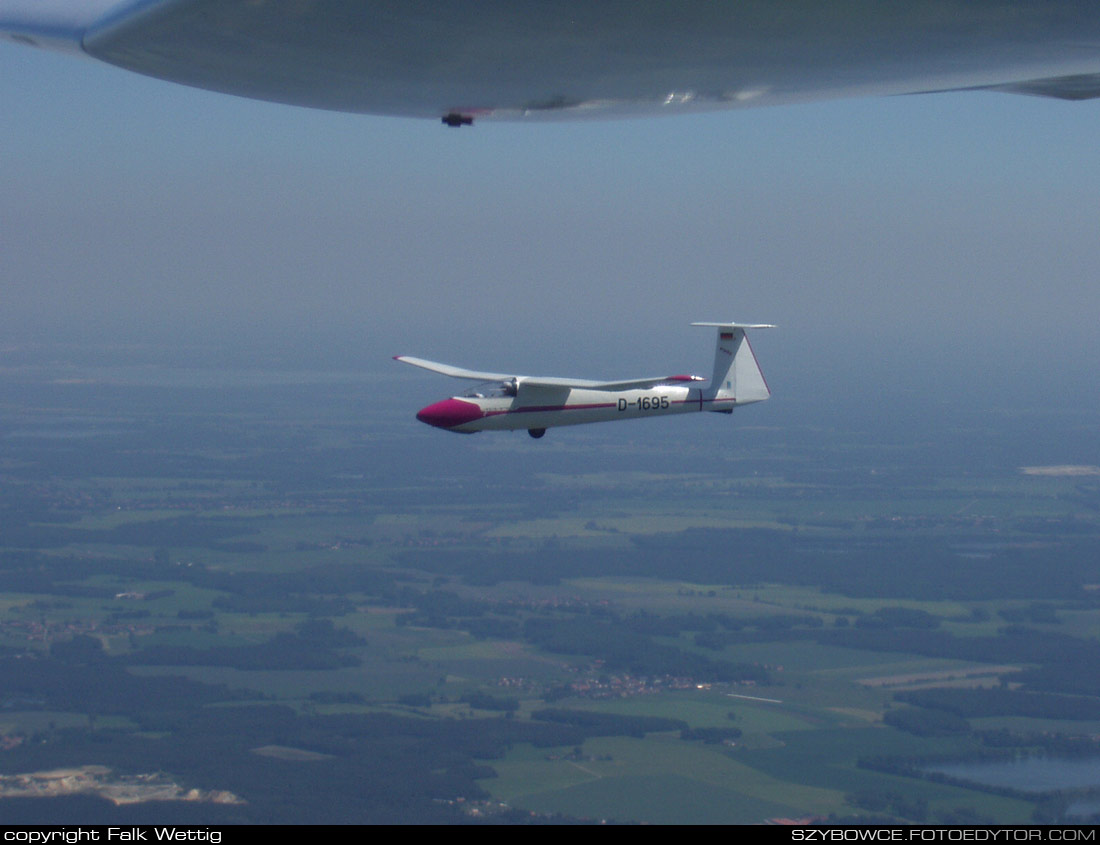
<point>536,432</point>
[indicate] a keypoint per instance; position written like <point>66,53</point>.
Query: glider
<point>511,402</point>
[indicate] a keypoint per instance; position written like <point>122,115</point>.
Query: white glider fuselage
<point>540,409</point>
<point>509,403</point>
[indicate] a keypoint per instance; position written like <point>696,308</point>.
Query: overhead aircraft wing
<point>1082,86</point>
<point>576,58</point>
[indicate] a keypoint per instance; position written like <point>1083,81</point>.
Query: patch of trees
<point>1013,645</point>
<point>312,646</point>
<point>445,609</point>
<point>898,617</point>
<point>1076,673</point>
<point>972,703</point>
<point>369,768</point>
<point>891,802</point>
<point>1053,809</point>
<point>320,591</point>
<point>295,603</point>
<point>1066,664</point>
<point>437,608</point>
<point>919,767</point>
<point>784,622</point>
<point>622,649</point>
<point>644,622</point>
<point>857,820</point>
<point>711,736</point>
<point>964,816</point>
<point>924,721</point>
<point>116,616</point>
<point>609,724</point>
<point>492,627</point>
<point>1047,743</point>
<point>335,697</point>
<point>79,678</point>
<point>1035,613</point>
<point>185,531</point>
<point>484,701</point>
<point>758,629</point>
<point>198,614</point>
<point>92,810</point>
<point>901,566</point>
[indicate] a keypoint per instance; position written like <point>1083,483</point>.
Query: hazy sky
<point>954,235</point>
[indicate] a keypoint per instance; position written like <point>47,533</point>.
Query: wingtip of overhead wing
<point>55,24</point>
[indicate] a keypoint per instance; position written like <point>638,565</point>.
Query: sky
<point>948,242</point>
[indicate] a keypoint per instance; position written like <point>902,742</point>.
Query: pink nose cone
<point>449,413</point>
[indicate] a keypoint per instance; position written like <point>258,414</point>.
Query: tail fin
<point>736,374</point>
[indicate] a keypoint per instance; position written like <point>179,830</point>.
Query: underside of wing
<point>569,59</point>
<point>1082,86</point>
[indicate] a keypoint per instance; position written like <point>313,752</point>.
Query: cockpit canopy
<point>493,390</point>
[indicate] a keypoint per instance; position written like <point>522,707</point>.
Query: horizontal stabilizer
<point>736,325</point>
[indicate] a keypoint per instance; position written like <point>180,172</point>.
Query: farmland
<point>251,585</point>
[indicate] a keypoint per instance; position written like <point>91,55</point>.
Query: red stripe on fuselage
<point>534,409</point>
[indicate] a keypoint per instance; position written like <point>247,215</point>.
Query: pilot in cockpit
<point>493,389</point>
